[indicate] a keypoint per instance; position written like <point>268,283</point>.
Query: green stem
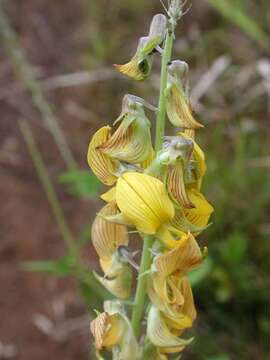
<point>146,259</point>
<point>138,309</point>
<point>161,118</point>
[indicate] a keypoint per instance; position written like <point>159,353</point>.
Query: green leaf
<point>198,275</point>
<point>234,13</point>
<point>80,182</point>
<point>61,267</point>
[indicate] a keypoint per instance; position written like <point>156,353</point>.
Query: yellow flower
<point>139,67</point>
<point>107,237</point>
<point>198,156</point>
<point>182,259</point>
<point>131,142</point>
<point>102,166</point>
<point>112,331</point>
<point>160,334</point>
<point>143,201</point>
<point>178,108</point>
<point>176,185</point>
<point>107,330</point>
<point>200,214</point>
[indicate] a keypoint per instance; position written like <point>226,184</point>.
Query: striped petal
<point>131,142</point>
<point>107,330</point>
<point>102,166</point>
<point>107,236</point>
<point>178,108</point>
<point>160,335</point>
<point>143,201</point>
<point>176,185</point>
<point>200,214</point>
<point>185,257</point>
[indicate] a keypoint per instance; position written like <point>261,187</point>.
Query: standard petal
<point>131,142</point>
<point>143,201</point>
<point>178,109</point>
<point>107,236</point>
<point>176,185</point>
<point>102,166</point>
<point>107,330</point>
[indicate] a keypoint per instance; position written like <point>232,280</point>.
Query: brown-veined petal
<point>176,185</point>
<point>107,236</point>
<point>143,201</point>
<point>131,142</point>
<point>178,109</point>
<point>185,257</point>
<point>159,333</point>
<point>107,330</point>
<point>102,166</point>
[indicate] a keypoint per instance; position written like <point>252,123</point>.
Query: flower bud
<point>112,331</point>
<point>139,67</point>
<point>178,107</point>
<point>107,330</point>
<point>157,32</point>
<point>176,10</point>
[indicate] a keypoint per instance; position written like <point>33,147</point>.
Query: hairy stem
<point>146,259</point>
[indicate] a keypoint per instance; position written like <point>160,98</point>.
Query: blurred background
<point>57,87</point>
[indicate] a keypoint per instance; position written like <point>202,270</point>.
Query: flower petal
<point>102,166</point>
<point>159,333</point>
<point>202,210</point>
<point>107,236</point>
<point>131,142</point>
<point>143,201</point>
<point>178,108</point>
<point>176,185</point>
<point>185,257</point>
<point>107,330</point>
<point>120,285</point>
